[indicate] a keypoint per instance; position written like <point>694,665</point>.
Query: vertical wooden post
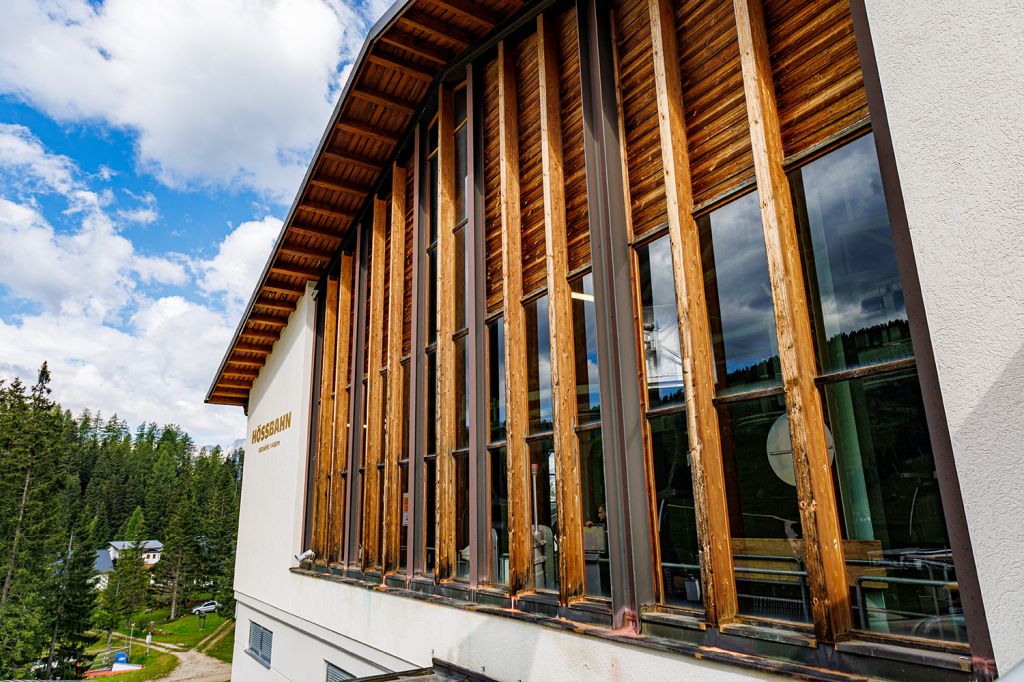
<point>694,336</point>
<point>445,346</point>
<point>393,447</point>
<point>563,363</point>
<point>321,487</point>
<point>826,569</point>
<point>336,505</point>
<point>516,400</point>
<point>374,389</point>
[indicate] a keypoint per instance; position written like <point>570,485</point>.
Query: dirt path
<point>214,637</point>
<point>196,667</point>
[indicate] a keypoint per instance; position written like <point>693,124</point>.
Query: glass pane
<point>431,416</point>
<point>544,514</point>
<point>461,175</point>
<point>430,509</point>
<point>496,380</point>
<point>460,278</point>
<point>739,297</point>
<point>432,186</point>
<point>584,325</point>
<point>675,511</point>
<point>431,296</point>
<point>855,290</point>
<point>662,356</point>
<point>405,410</point>
<point>499,515</point>
<point>596,560</point>
<point>462,516</point>
<point>460,106</point>
<point>898,556</point>
<point>461,401</point>
<point>538,365</point>
<point>764,517</point>
<point>403,533</point>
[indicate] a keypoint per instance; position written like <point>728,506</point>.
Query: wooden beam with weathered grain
<point>711,505</point>
<point>368,130</point>
<point>303,252</point>
<point>328,210</point>
<point>422,48</point>
<point>233,368</point>
<point>375,388</point>
<point>292,270</point>
<point>445,345</point>
<point>245,347</point>
<point>824,561</point>
<point>316,231</point>
<point>339,454</point>
<point>437,28</point>
<point>384,99</point>
<point>281,287</point>
<point>260,334</point>
<point>401,65</point>
<point>272,320</point>
<point>337,185</point>
<point>284,306</point>
<point>560,325</point>
<point>227,383</point>
<point>516,399</point>
<point>352,159</point>
<point>393,446</point>
<point>472,11</point>
<point>325,420</point>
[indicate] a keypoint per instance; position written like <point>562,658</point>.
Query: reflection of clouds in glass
<point>544,359</point>
<point>744,292</point>
<point>661,325</point>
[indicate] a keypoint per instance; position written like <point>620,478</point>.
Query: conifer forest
<point>72,483</point>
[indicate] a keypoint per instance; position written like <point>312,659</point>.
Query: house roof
<point>405,52</point>
<point>146,544</point>
<point>102,563</point>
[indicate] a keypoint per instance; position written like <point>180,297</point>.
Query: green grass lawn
<point>225,648</point>
<point>185,630</point>
<point>156,666</point>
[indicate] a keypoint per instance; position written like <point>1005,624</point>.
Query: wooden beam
<point>257,334</point>
<point>352,159</point>
<point>437,28</point>
<point>383,99</point>
<point>517,407</point>
<point>396,386</point>
<point>471,11</point>
<point>338,185</point>
<point>826,567</point>
<point>302,252</point>
<point>325,428</point>
<point>417,46</point>
<point>283,287</point>
<point>367,130</point>
<point>230,393</point>
<point>342,365</point>
<point>316,231</point>
<point>711,505</point>
<point>285,306</point>
<point>375,389</point>
<point>401,65</point>
<point>252,348</point>
<point>446,550</point>
<point>239,372</point>
<point>326,210</point>
<point>295,270</point>
<point>272,320</point>
<point>563,360</point>
<point>244,385</point>
<point>216,399</point>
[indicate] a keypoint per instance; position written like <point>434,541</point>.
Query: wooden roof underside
<point>405,51</point>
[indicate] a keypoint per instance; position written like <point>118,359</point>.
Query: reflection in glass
<point>460,278</point>
<point>431,296</point>
<point>431,390</point>
<point>584,325</point>
<point>898,556</point>
<point>499,514</point>
<point>764,517</point>
<point>461,174</point>
<point>403,534</point>
<point>660,324</point>
<point>405,410</point>
<point>538,365</point>
<point>596,559</point>
<point>430,509</point>
<point>739,297</point>
<point>462,515</point>
<point>855,290</point>
<point>496,381</point>
<point>675,515</point>
<point>461,395</point>
<point>544,514</point>
<point>432,187</point>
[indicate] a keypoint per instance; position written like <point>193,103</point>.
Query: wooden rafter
<point>352,159</point>
<point>303,252</point>
<point>339,455</point>
<point>711,505</point>
<point>325,424</point>
<point>446,551</point>
<point>316,231</point>
<point>227,383</point>
<point>417,46</point>
<point>368,130</point>
<point>384,99</point>
<point>258,334</point>
<point>328,210</point>
<point>375,388</point>
<point>284,306</point>
<point>272,320</point>
<point>231,393</point>
<point>517,407</point>
<point>437,28</point>
<point>283,287</point>
<point>402,65</point>
<point>396,386</point>
<point>471,11</point>
<point>292,270</point>
<point>338,185</point>
<point>245,347</point>
<point>240,371</point>
<point>826,567</point>
<point>560,324</point>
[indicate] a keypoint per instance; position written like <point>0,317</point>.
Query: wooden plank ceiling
<point>403,54</point>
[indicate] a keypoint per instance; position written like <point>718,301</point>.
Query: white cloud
<point>240,258</point>
<point>144,215</point>
<point>227,93</point>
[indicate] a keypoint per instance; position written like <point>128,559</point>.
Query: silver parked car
<point>206,607</point>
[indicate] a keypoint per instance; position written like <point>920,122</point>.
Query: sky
<point>149,150</point>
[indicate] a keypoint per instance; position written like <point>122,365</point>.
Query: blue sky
<point>148,152</point>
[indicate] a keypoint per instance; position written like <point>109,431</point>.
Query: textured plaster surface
<point>952,76</point>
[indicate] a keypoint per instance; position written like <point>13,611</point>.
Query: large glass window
<point>538,365</point>
<point>497,454</point>
<point>461,453</point>
<point>675,513</point>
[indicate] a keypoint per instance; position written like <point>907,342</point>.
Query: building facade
<point>644,339</point>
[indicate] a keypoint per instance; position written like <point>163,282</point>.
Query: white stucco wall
<point>952,74</point>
